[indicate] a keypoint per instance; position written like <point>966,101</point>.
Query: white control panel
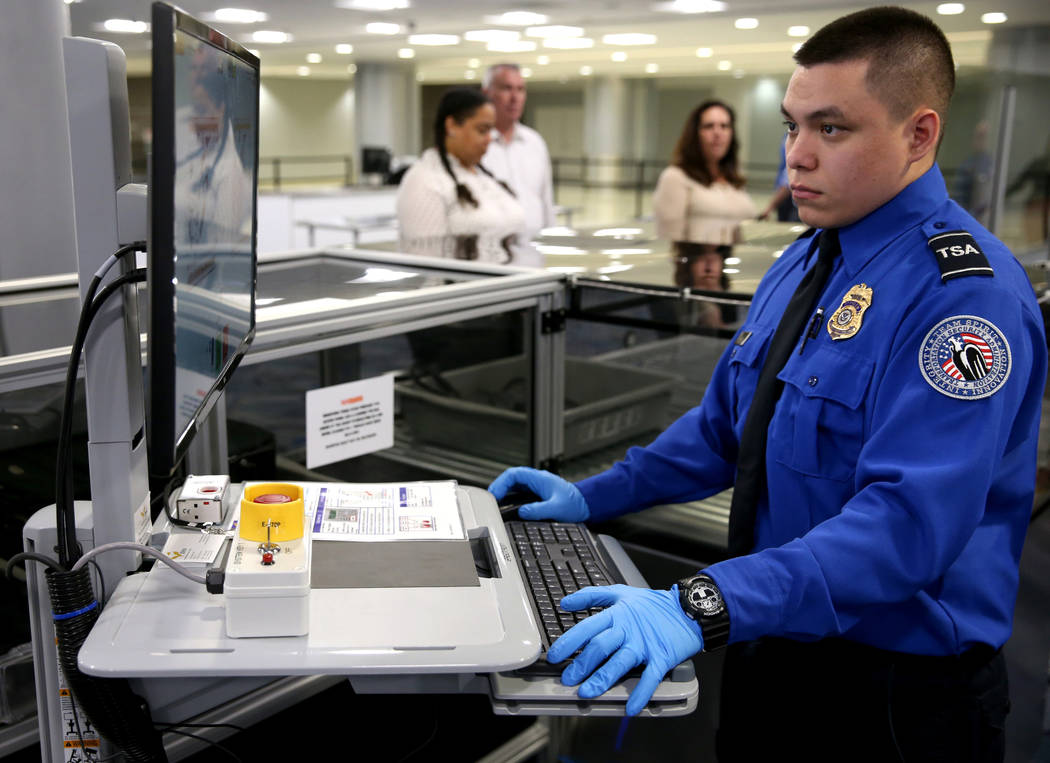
<point>267,588</point>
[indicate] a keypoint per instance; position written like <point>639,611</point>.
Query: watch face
<point>705,598</point>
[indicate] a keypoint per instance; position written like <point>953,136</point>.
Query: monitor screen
<point>202,256</point>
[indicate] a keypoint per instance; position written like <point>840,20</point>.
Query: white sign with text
<point>348,420</point>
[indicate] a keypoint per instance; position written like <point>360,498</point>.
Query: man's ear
<point>923,131</point>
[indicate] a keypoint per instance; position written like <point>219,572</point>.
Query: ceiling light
<point>351,68</point>
<point>382,27</point>
<point>125,26</point>
<point>470,74</point>
<point>993,18</point>
<point>950,9</point>
<point>629,38</point>
<point>568,43</point>
<point>586,71</point>
<point>511,46</point>
<point>373,5</point>
<point>313,58</point>
<point>691,6</point>
<point>732,260</point>
<point>526,71</point>
<point>724,66</point>
<point>619,56</point>
<point>652,68</point>
<point>746,23</point>
<point>798,31</point>
<point>474,63</point>
<point>406,53</point>
<point>267,35</point>
<point>491,35</point>
<point>433,39</point>
<point>730,271</point>
<point>344,49</point>
<point>303,71</point>
<point>239,16</point>
<point>704,52</point>
<point>518,18</point>
<point>554,30</point>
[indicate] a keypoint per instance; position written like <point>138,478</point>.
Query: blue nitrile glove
<point>640,625</point>
<point>562,501</point>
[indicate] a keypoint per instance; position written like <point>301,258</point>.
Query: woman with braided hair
<point>448,204</point>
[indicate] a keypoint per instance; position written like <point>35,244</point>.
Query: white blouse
<point>434,222</point>
<point>686,210</point>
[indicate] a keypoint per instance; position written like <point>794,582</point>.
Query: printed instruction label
<point>382,512</point>
<point>80,740</point>
<point>348,420</point>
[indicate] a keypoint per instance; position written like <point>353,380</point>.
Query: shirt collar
<point>517,135</point>
<point>868,236</point>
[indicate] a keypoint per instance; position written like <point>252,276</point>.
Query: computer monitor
<point>202,235</point>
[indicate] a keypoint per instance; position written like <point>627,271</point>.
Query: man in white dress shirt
<point>518,155</point>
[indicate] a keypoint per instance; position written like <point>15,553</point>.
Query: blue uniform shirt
<point>900,478</point>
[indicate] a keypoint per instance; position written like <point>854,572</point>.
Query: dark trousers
<point>834,700</point>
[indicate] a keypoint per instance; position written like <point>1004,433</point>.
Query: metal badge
<point>845,322</point>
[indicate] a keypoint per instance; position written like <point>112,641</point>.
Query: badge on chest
<point>846,321</point>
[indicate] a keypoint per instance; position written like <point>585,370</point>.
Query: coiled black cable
<point>68,549</point>
<point>109,703</point>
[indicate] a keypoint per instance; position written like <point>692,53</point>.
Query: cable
<point>421,747</point>
<point>65,517</point>
<point>166,726</point>
<point>101,581</point>
<point>214,744</point>
<point>31,555</point>
<point>146,550</point>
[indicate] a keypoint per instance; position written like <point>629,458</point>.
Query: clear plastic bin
<point>485,413</point>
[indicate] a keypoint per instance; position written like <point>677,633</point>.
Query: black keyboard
<point>556,559</point>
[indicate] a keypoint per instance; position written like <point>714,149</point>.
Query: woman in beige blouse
<point>700,197</point>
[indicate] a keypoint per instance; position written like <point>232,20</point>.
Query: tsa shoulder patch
<point>965,357</point>
<point>958,255</point>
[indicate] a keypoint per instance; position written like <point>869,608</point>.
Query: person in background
<point>518,155</point>
<point>448,203</point>
<point>700,197</point>
<point>877,416</point>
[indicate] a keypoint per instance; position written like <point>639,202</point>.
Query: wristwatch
<point>702,600</point>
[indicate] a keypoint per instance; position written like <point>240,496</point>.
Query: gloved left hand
<point>639,626</point>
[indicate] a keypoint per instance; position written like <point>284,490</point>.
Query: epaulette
<point>958,255</point>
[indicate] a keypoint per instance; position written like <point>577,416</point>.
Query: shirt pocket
<point>745,365</point>
<point>819,426</point>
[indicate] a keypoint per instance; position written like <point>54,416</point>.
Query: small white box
<point>201,498</point>
<point>268,600</point>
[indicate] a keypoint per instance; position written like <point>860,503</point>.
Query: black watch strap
<point>701,599</point>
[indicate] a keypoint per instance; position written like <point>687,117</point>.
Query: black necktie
<point>751,460</point>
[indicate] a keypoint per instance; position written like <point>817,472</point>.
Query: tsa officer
<point>877,416</point>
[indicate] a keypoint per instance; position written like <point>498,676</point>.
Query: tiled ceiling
<point>317,26</point>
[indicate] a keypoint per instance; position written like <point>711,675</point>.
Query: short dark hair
<point>689,157</point>
<point>909,59</point>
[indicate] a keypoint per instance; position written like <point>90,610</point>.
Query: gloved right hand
<point>562,501</point>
